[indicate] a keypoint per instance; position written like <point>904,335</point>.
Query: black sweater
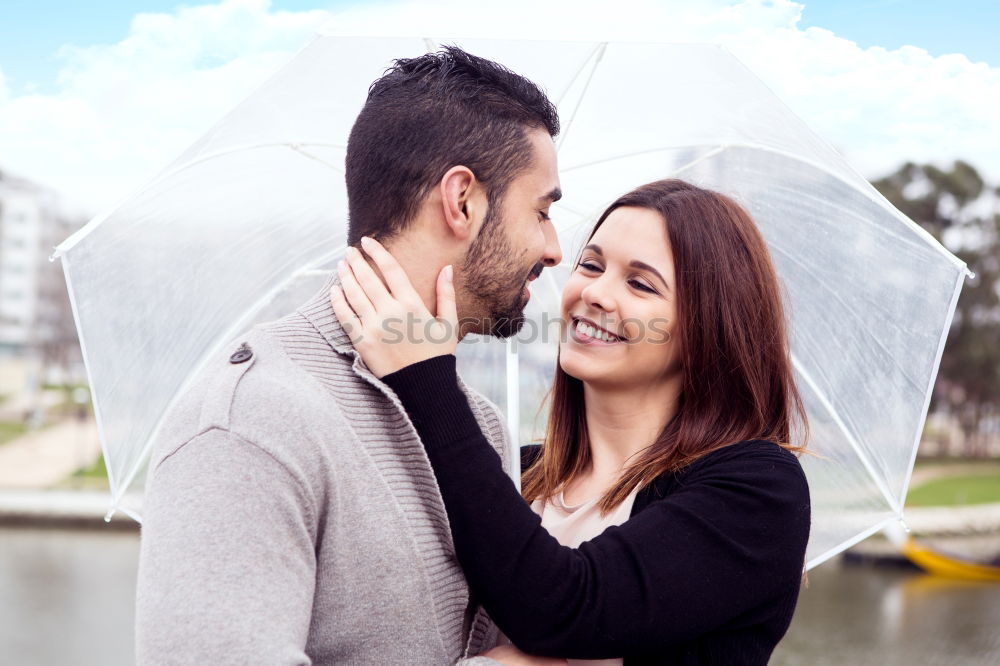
<point>705,571</point>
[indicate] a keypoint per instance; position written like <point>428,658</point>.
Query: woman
<point>678,511</point>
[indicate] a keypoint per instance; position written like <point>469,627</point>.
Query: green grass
<point>94,471</point>
<point>957,490</point>
<point>957,461</point>
<point>11,430</point>
<point>91,477</point>
<point>64,387</point>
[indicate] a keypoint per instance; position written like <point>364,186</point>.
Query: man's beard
<point>493,279</point>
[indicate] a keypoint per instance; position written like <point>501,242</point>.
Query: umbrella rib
<point>298,148</point>
<point>294,145</point>
<point>85,231</point>
<point>646,151</point>
<point>855,445</point>
<point>579,71</point>
<point>869,337</point>
<point>698,160</point>
<point>596,58</point>
<point>513,396</point>
<point>844,545</point>
<point>867,188</point>
<point>959,282</point>
<point>90,380</point>
<point>801,194</point>
<point>595,212</point>
<point>230,333</point>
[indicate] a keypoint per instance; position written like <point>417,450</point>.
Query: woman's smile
<point>586,332</point>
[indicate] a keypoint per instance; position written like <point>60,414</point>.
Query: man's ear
<point>462,201</point>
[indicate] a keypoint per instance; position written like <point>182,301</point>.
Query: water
<point>67,599</point>
<point>889,617</point>
<point>67,596</point>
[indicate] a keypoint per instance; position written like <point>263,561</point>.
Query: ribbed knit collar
<point>319,311</point>
<point>449,588</point>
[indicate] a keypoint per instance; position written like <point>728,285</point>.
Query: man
<point>291,514</point>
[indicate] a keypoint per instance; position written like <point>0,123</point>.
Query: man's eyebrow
<point>635,263</point>
<point>553,196</point>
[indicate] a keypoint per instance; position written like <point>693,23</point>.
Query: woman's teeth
<point>592,332</point>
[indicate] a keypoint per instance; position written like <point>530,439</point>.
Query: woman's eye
<point>587,266</point>
<point>641,286</point>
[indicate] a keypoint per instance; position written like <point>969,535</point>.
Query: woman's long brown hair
<point>737,383</point>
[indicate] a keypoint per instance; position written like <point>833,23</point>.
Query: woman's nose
<point>598,294</point>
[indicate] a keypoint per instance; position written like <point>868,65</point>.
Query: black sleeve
<point>731,539</point>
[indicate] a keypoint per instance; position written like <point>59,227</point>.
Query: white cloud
<point>878,107</point>
<point>628,20</point>
<point>881,107</point>
<point>122,111</point>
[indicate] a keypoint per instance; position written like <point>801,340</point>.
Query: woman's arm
<point>715,554</point>
<point>730,540</point>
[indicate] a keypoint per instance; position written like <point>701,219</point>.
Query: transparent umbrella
<point>248,221</point>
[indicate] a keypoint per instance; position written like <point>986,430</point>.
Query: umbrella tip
<point>109,514</point>
<point>897,532</point>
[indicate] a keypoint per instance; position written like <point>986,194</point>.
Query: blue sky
<point>970,27</point>
<point>32,31</point>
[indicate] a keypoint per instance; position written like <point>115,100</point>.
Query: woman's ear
<point>460,194</point>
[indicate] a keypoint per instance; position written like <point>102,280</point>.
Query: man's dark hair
<point>428,114</point>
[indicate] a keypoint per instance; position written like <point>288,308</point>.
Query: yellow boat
<point>941,564</point>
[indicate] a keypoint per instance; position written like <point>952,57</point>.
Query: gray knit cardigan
<point>292,517</point>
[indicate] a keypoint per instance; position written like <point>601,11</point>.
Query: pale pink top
<point>572,525</point>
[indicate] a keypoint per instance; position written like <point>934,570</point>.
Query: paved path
<point>20,405</point>
<point>45,457</point>
<point>954,520</point>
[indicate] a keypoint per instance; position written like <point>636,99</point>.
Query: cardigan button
<point>241,355</point>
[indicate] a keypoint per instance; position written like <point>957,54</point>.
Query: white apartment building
<point>33,304</point>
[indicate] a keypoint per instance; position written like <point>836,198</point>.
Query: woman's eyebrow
<point>643,266</point>
<point>635,263</point>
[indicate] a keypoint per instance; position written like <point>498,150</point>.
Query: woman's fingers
<point>371,324</point>
<point>368,279</point>
<point>446,307</point>
<point>355,295</point>
<point>345,315</point>
<point>397,279</point>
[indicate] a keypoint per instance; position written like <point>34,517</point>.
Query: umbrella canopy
<point>248,221</point>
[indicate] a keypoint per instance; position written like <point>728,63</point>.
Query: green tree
<point>953,206</point>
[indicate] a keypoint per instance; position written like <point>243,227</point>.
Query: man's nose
<point>553,253</point>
